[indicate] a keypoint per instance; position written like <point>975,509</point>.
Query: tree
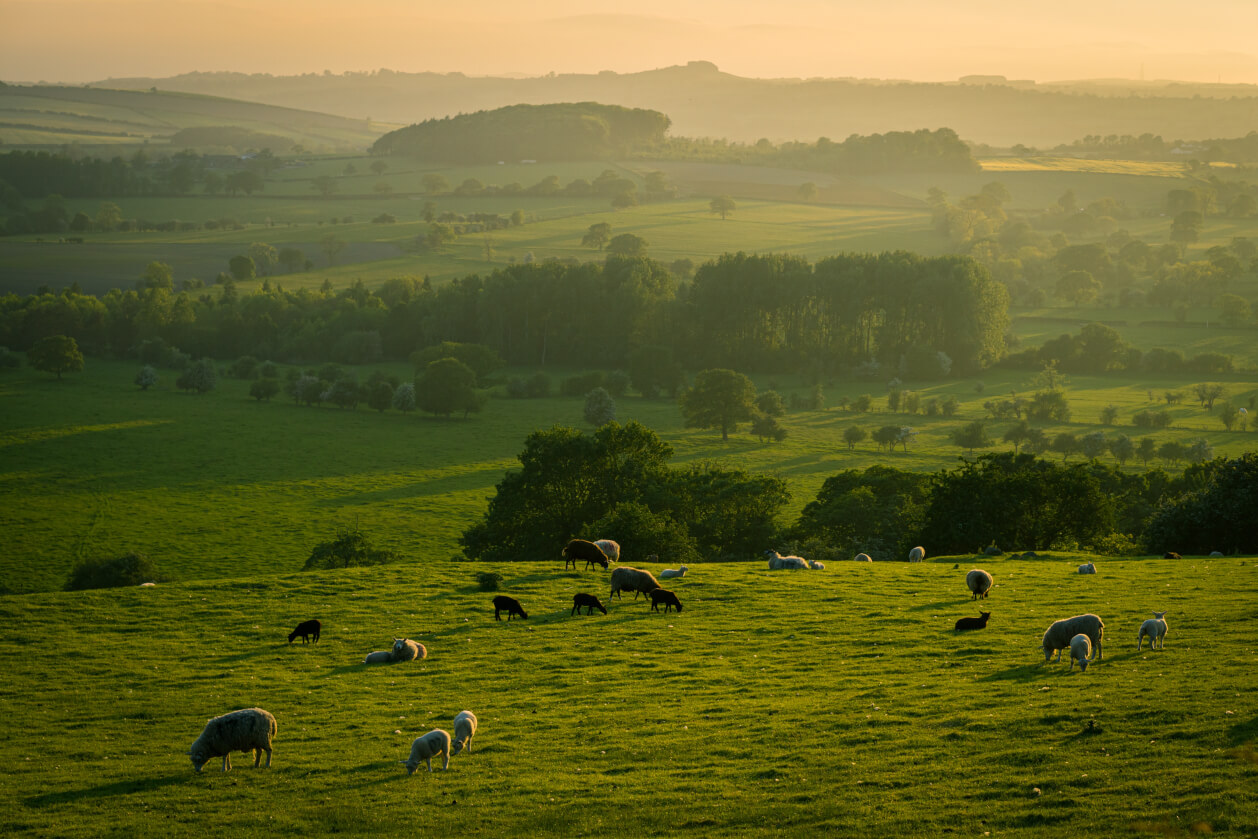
<point>379,394</point>
<point>971,436</point>
<point>1234,310</point>
<point>627,244</point>
<point>722,206</point>
<point>55,354</point>
<point>157,275</point>
<point>770,404</point>
<point>108,216</point>
<point>404,397</point>
<point>129,570</point>
<point>378,166</point>
<point>1122,448</point>
<point>767,427</point>
<point>246,181</point>
<point>886,437</point>
<point>1078,287</point>
<point>447,385</point>
<point>807,191</point>
<point>264,257</point>
<point>852,435</point>
<point>1094,445</point>
<point>350,548</point>
<point>652,370</point>
<point>1207,393</point>
<point>1065,444</point>
<point>242,267</point>
<point>1109,414</point>
<point>719,399</point>
<point>597,236</point>
<point>1017,435</point>
<point>625,199</point>
<point>292,258</point>
<point>434,183</point>
<point>146,378</point>
<point>201,376</point>
<point>331,246</point>
<point>439,234</point>
<point>600,407</point>
<point>264,389</point>
<point>1186,228</point>
<point>1147,450</point>
<point>325,185</point>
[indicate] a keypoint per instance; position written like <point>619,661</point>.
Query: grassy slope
<point>774,704</point>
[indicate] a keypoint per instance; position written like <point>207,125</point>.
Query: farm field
<point>836,701</point>
<point>221,486</point>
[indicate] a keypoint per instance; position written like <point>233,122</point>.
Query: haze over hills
<point>702,101</point>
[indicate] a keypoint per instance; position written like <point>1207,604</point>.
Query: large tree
<point>447,385</point>
<point>722,206</point>
<point>55,354</point>
<point>718,399</point>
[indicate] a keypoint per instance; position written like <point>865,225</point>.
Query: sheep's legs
<point>227,763</point>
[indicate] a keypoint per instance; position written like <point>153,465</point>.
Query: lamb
<point>610,549</point>
<point>579,549</point>
<point>1057,637</point>
<point>816,566</point>
<point>587,600</point>
<point>663,595</point>
<point>917,554</point>
<point>510,605</point>
<point>671,573</point>
<point>972,623</point>
<point>247,730</point>
<point>464,729</point>
<point>304,629</point>
<point>432,744</point>
<point>625,578</point>
<point>1155,628</point>
<point>979,582</point>
<point>1080,651</point>
<point>1087,568</point>
<point>777,562</point>
<point>404,649</point>
<point>863,558</point>
<point>379,657</point>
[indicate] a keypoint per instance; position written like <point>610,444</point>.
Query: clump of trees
<point>130,569</point>
<point>350,548</point>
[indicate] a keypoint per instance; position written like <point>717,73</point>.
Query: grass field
<point>775,704</point>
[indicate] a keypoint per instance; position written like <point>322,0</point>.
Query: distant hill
<point>93,116</point>
<point>704,102</point>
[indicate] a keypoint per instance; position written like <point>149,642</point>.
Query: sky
<point>926,40</point>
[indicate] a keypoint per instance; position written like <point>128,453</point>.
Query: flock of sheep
<point>253,729</point>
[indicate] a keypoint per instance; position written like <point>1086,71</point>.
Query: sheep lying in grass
<point>816,566</point>
<point>863,558</point>
<point>510,605</point>
<point>404,649</point>
<point>432,744</point>
<point>972,623</point>
<point>1087,568</point>
<point>1155,629</point>
<point>663,595</point>
<point>579,549</point>
<point>305,629</point>
<point>379,657</point>
<point>1080,651</point>
<point>1057,637</point>
<point>671,573</point>
<point>464,729</point>
<point>917,554</point>
<point>777,562</point>
<point>247,730</point>
<point>610,549</point>
<point>589,601</point>
<point>979,582</point>
<point>625,578</point>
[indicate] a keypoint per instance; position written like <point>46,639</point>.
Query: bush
<point>600,407</point>
<point>488,580</point>
<point>9,359</point>
<point>201,376</point>
<point>245,367</point>
<point>264,389</point>
<point>538,386</point>
<point>129,570</point>
<point>350,548</point>
<point>582,384</point>
<point>146,378</point>
<point>617,383</point>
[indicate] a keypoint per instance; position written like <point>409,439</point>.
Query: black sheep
<point>663,595</point>
<point>579,549</point>
<point>973,623</point>
<point>510,605</point>
<point>587,600</point>
<point>304,629</point>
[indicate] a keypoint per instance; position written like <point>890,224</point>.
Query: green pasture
<point>776,703</point>
<point>219,485</point>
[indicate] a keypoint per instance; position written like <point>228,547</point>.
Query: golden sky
<point>928,40</point>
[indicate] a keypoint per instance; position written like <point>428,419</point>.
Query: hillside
<point>704,102</point>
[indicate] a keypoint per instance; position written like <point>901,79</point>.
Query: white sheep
<point>435,742</point>
<point>816,565</point>
<point>863,558</point>
<point>1080,651</point>
<point>979,582</point>
<point>379,657</point>
<point>777,562</point>
<point>1155,628</point>
<point>625,578</point>
<point>247,730</point>
<point>670,573</point>
<point>917,554</point>
<point>1087,568</point>
<point>610,549</point>
<point>404,649</point>
<point>464,729</point>
<point>1058,636</point>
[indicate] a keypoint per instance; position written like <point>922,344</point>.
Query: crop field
<point>779,704</point>
<point>1083,164</point>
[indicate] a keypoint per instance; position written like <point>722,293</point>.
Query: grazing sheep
<point>435,742</point>
<point>610,549</point>
<point>972,623</point>
<point>1155,628</point>
<point>579,549</point>
<point>379,657</point>
<point>1080,651</point>
<point>404,649</point>
<point>670,573</point>
<point>777,562</point>
<point>510,605</point>
<point>863,558</point>
<point>1057,636</point>
<point>304,629</point>
<point>1087,568</point>
<point>464,729</point>
<point>247,730</point>
<point>663,595</point>
<point>979,582</point>
<point>587,600</point>
<point>625,578</point>
<point>1171,555</point>
<point>816,566</point>
<point>917,554</point>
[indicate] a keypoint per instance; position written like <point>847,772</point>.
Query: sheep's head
<point>1161,615</point>
<point>399,644</point>
<point>457,747</point>
<point>984,616</point>
<point>199,758</point>
<point>1083,665</point>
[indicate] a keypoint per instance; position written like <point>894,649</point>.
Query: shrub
<point>350,548</point>
<point>245,367</point>
<point>600,407</point>
<point>146,378</point>
<point>617,383</point>
<point>538,386</point>
<point>264,389</point>
<point>200,376</point>
<point>128,570</point>
<point>488,580</point>
<point>582,384</point>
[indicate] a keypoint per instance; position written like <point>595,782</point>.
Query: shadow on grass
<point>1243,732</point>
<point>1020,673</point>
<point>107,790</point>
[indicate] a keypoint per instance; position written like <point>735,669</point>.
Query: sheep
<point>972,623</point>
<point>663,595</point>
<point>404,649</point>
<point>587,600</point>
<point>777,562</point>
<point>510,605</point>
<point>464,730</point>
<point>979,582</point>
<point>863,558</point>
<point>432,744</point>
<point>379,657</point>
<point>671,573</point>
<point>625,578</point>
<point>917,554</point>
<point>1080,651</point>
<point>610,549</point>
<point>1057,637</point>
<point>579,549</point>
<point>1155,628</point>
<point>304,629</point>
<point>247,730</point>
<point>1087,568</point>
<point>816,566</point>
